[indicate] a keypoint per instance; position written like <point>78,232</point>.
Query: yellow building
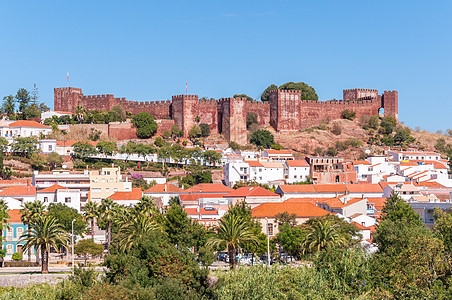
<point>106,182</point>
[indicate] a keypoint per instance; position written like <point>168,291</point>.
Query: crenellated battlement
<point>285,110</point>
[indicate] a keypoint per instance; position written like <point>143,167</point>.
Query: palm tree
<point>91,213</point>
<point>107,213</point>
<point>43,233</point>
<point>232,232</point>
<point>4,217</point>
<point>323,234</point>
<point>80,112</point>
<point>146,206</point>
<point>135,230</point>
<point>30,211</point>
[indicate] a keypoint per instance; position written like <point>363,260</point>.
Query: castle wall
<point>261,109</point>
<point>122,131</point>
<point>234,120</point>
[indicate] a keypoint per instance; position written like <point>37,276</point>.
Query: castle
<point>285,111</point>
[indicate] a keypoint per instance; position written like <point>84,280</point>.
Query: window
<point>295,176</point>
<point>270,229</point>
<point>67,199</point>
<point>46,199</point>
<point>103,179</point>
<point>50,147</point>
<point>20,231</point>
<point>97,190</point>
<point>115,190</point>
<point>9,249</point>
<point>260,170</point>
<point>107,190</point>
<point>9,234</point>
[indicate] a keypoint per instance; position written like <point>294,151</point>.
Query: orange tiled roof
<point>301,210</point>
<point>360,227</point>
<point>195,197</point>
<point>63,112</point>
<point>378,202</point>
<point>160,188</point>
<point>251,191</point>
<point>429,184</point>
<point>297,163</point>
<point>330,188</point>
<point>209,188</point>
<point>298,188</point>
<point>407,163</point>
<point>254,163</point>
<point>135,194</point>
<point>364,188</point>
<point>52,189</point>
<point>273,151</point>
<point>14,215</point>
<point>13,182</point>
<point>24,123</point>
<point>19,190</point>
<point>360,162</point>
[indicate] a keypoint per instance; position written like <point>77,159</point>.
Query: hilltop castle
<point>285,111</point>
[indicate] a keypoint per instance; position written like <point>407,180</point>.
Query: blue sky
<point>147,50</point>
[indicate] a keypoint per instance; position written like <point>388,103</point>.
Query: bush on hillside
<point>262,138</point>
<point>348,114</point>
<point>336,129</point>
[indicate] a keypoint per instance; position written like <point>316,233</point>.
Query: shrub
<point>388,124</point>
<point>318,151</point>
<point>341,146</point>
<point>166,134</point>
<point>195,132</point>
<point>205,129</point>
<point>21,263</point>
<point>17,256</point>
<point>277,147</point>
<point>145,124</point>
<point>262,138</point>
<point>348,114</point>
<point>336,129</point>
<point>331,151</point>
<point>354,142</point>
<point>322,126</point>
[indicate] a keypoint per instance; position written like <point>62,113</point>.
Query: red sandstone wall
<point>234,119</point>
<point>261,109</point>
<point>164,125</point>
<point>390,100</point>
<point>285,110</point>
<point>122,131</point>
<point>207,110</point>
<point>354,94</point>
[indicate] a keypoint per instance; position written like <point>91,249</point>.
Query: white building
<point>51,113</point>
<point>296,171</point>
<point>59,194</point>
<point>24,128</point>
<point>277,154</point>
<point>262,171</point>
<point>414,155</point>
<point>47,146</point>
<point>405,190</point>
<point>164,192</point>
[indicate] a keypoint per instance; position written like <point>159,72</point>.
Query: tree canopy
<point>145,124</point>
<point>307,92</point>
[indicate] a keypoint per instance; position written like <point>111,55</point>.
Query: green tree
<point>176,132</point>
<point>65,214</point>
<point>388,124</point>
<point>232,232</point>
<point>177,226</point>
<point>37,161</point>
<point>286,219</point>
<point>195,132</point>
<point>212,157</point>
<point>3,145</point>
<point>90,213</point>
<point>136,229</point>
<point>54,160</point>
<point>145,124</point>
<point>266,93</point>
<point>323,234</point>
<point>84,150</point>
<point>25,146</point>
<point>120,112</point>
<point>43,233</point>
<point>307,92</point>
<point>262,138</point>
<point>251,118</point>
<point>291,239</point>
<point>159,142</point>
<point>88,247</point>
<point>23,98</point>
<point>248,98</point>
<point>80,113</point>
<point>9,105</point>
<point>205,129</point>
<point>331,151</point>
<point>29,212</point>
<point>107,214</point>
<point>4,217</point>
<point>32,111</point>
<point>106,147</point>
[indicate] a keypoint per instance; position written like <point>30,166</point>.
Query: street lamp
<point>268,245</point>
<point>72,242</point>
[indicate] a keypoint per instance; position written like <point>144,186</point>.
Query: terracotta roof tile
<point>164,188</point>
<point>364,188</point>
<point>330,188</point>
<point>360,162</point>
<point>19,190</point>
<point>14,216</point>
<point>135,194</point>
<point>52,189</point>
<point>273,151</point>
<point>298,188</point>
<point>24,123</point>
<point>254,163</point>
<point>301,210</point>
<point>297,163</point>
<point>195,197</point>
<point>251,191</point>
<point>209,188</point>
